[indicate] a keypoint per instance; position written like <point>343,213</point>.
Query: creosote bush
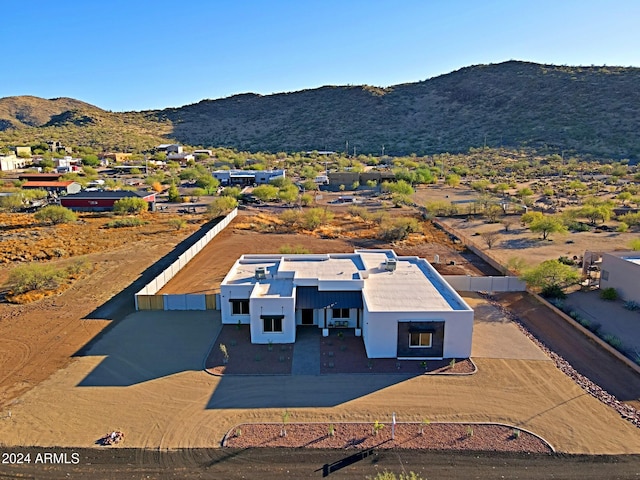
<point>55,214</point>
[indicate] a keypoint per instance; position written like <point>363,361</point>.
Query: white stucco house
<point>400,306</point>
<point>621,270</point>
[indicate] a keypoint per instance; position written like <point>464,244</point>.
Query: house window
<point>272,324</point>
<point>340,313</point>
<point>240,307</point>
<point>604,275</point>
<point>420,340</point>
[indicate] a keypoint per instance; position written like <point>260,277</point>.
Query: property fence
<point>471,245</point>
<point>147,298</point>
<point>467,283</point>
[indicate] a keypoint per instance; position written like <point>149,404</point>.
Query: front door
<point>307,316</point>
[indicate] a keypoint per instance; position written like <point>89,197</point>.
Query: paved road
<point>276,464</point>
<point>585,356</point>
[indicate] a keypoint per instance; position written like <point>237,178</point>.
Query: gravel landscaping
<point>432,436</point>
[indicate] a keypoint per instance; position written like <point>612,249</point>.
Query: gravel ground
<point>436,436</point>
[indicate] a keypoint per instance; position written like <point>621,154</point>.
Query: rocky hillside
<point>587,110</point>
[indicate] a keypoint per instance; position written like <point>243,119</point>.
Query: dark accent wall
<point>437,341</point>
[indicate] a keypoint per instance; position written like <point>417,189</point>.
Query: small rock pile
<point>626,411</point>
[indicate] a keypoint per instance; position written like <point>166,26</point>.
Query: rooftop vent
<point>261,273</point>
<point>390,264</point>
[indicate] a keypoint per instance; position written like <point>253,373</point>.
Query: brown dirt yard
<point>39,338</point>
<point>144,377</point>
<point>144,374</point>
<point>247,234</point>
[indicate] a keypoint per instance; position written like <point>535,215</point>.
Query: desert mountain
<point>588,110</point>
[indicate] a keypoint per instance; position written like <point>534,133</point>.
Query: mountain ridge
<point>591,110</point>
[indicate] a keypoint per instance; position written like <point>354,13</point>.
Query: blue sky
<point>146,54</point>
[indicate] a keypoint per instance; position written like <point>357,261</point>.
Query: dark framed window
<point>340,313</point>
<point>420,339</point>
<point>240,307</point>
<point>272,324</point>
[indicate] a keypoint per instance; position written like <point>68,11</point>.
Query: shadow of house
<point>297,391</point>
<point>123,303</point>
<point>146,346</point>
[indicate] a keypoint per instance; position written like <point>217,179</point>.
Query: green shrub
<point>293,249</point>
<point>130,205</point>
<point>609,294</point>
<point>35,276</point>
<point>553,291</point>
<point>55,214</point>
<point>612,340</point>
<point>632,306</point>
<point>125,222</point>
<point>221,206</point>
<point>177,223</point>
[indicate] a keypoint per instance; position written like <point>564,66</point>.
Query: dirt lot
<point>247,235</point>
<point>128,381</point>
<point>38,339</point>
<point>179,406</point>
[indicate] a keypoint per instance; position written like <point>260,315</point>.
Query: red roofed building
<point>101,201</point>
<point>60,188</point>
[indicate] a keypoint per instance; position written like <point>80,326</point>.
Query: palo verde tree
<point>221,206</point>
<point>551,277</point>
<point>544,224</point>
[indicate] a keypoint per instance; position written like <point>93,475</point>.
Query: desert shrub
<point>584,322</point>
<point>595,327</point>
<point>34,276</point>
<point>612,340</point>
<point>55,214</point>
<point>306,199</point>
<point>177,223</point>
<point>635,244</point>
<point>623,227</point>
<point>315,217</point>
<point>575,315</point>
<point>566,261</point>
<point>290,217</point>
<point>553,291</point>
<point>609,294</point>
<point>221,206</point>
<point>77,266</point>
<point>293,249</point>
<point>125,222</point>
<point>130,206</point>
<point>632,306</point>
<point>174,195</point>
<point>392,476</point>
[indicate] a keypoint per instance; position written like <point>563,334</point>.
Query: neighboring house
<point>247,177</point>
<point>117,157</point>
<point>348,178</point>
<point>169,148</point>
<point>23,151</point>
<point>12,162</point>
<point>208,153</point>
<point>180,157</point>
<point>621,270</point>
<point>59,188</point>
<point>100,201</point>
<point>400,306</point>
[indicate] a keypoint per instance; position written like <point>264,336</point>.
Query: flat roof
<point>413,286</point>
